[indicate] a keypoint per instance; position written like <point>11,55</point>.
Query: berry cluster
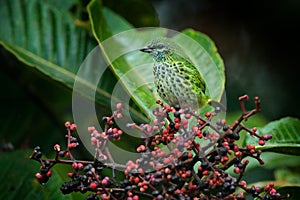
<point>183,156</point>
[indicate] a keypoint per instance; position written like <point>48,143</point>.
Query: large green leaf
<point>46,38</point>
<point>18,181</point>
<point>18,172</point>
<point>285,136</point>
<point>43,37</point>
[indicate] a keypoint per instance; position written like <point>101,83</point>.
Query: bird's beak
<point>146,49</point>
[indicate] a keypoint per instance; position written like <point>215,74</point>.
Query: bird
<point>177,80</point>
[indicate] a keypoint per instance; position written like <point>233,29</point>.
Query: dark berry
<point>158,174</point>
<point>219,195</point>
<point>226,186</point>
<point>223,151</point>
<point>44,170</point>
<point>171,125</point>
<point>206,191</point>
<point>232,188</point>
<point>175,179</point>
<point>104,119</point>
<point>177,114</point>
<point>225,127</point>
<point>38,155</point>
<point>217,158</point>
<point>185,156</point>
<point>155,193</point>
<point>177,107</point>
<point>171,189</point>
<point>126,182</point>
<point>37,148</point>
<point>127,188</point>
<point>87,168</point>
<point>204,165</point>
<point>205,133</point>
<point>236,136</point>
<point>186,110</point>
<point>47,163</point>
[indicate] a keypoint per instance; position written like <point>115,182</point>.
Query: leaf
<point>285,136</point>
<point>24,112</point>
<point>291,175</point>
<point>293,191</point>
<point>42,37</point>
<point>46,39</point>
<point>273,161</point>
<point>18,179</point>
<point>140,13</point>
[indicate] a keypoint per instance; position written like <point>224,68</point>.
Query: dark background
<point>258,40</point>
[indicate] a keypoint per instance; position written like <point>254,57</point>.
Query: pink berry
<point>74,165</point>
<point>104,182</point>
<point>56,147</point>
<point>91,128</point>
<point>119,106</point>
<point>73,127</point>
<point>261,142</point>
<point>80,166</point>
<point>38,175</point>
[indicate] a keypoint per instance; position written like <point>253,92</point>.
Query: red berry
<point>93,185</point>
<point>236,170</point>
<point>135,197</point>
<point>205,172</point>
<point>243,183</point>
<point>207,114</point>
<point>49,173</point>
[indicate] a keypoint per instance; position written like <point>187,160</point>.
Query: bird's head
<point>160,49</point>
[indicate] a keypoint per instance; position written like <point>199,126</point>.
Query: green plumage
<point>177,80</point>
